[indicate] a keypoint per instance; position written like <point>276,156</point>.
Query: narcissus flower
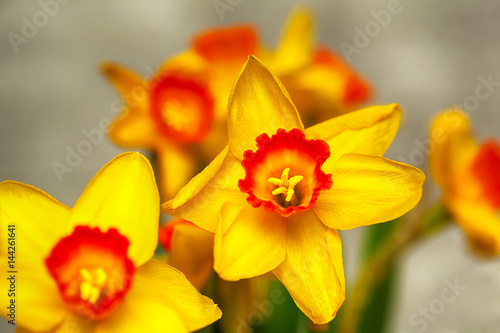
<point>171,114</point>
<point>277,194</point>
<point>89,268</point>
<point>469,175</point>
<point>180,113</point>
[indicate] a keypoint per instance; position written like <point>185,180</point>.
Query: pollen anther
<point>92,284</point>
<point>285,185</point>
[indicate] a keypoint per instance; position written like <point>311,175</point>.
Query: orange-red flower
<point>469,175</point>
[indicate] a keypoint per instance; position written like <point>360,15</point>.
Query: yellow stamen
<point>100,277</point>
<point>93,283</point>
<point>285,185</point>
<point>86,290</point>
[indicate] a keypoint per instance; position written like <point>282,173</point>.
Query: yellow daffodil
<point>180,113</point>
<point>89,268</point>
<point>469,175</point>
<point>276,195</point>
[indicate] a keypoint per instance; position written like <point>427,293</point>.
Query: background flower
<point>469,176</point>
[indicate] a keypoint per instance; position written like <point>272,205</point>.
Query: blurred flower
<point>170,114</point>
<point>180,113</point>
<point>470,178</point>
<point>277,194</point>
<point>189,249</point>
<point>89,268</point>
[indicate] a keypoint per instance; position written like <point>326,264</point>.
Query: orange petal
<point>232,44</point>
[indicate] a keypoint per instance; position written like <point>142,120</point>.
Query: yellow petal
<point>187,62</point>
<point>123,195</point>
<point>480,222</point>
<point>452,145</point>
<point>295,49</point>
<point>162,284</point>
<point>40,221</point>
<point>326,88</point>
<point>38,305</point>
<point>201,200</point>
<point>140,315</point>
<point>133,129</point>
<point>248,242</point>
<point>192,253</point>
<point>312,271</point>
<point>70,324</point>
<point>258,104</point>
<point>334,246</point>
<point>176,169</point>
<point>368,190</point>
<point>368,131</point>
<point>129,84</point>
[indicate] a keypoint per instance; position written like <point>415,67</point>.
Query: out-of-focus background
<point>426,57</point>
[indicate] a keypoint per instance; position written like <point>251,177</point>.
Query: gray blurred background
<point>431,55</point>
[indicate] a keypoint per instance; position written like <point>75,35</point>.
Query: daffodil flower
<point>469,175</point>
<point>277,194</point>
<point>89,268</point>
<point>180,113</point>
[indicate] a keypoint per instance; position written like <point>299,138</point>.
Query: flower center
<point>92,270</point>
<point>182,108</point>
<point>285,185</point>
<point>298,187</point>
